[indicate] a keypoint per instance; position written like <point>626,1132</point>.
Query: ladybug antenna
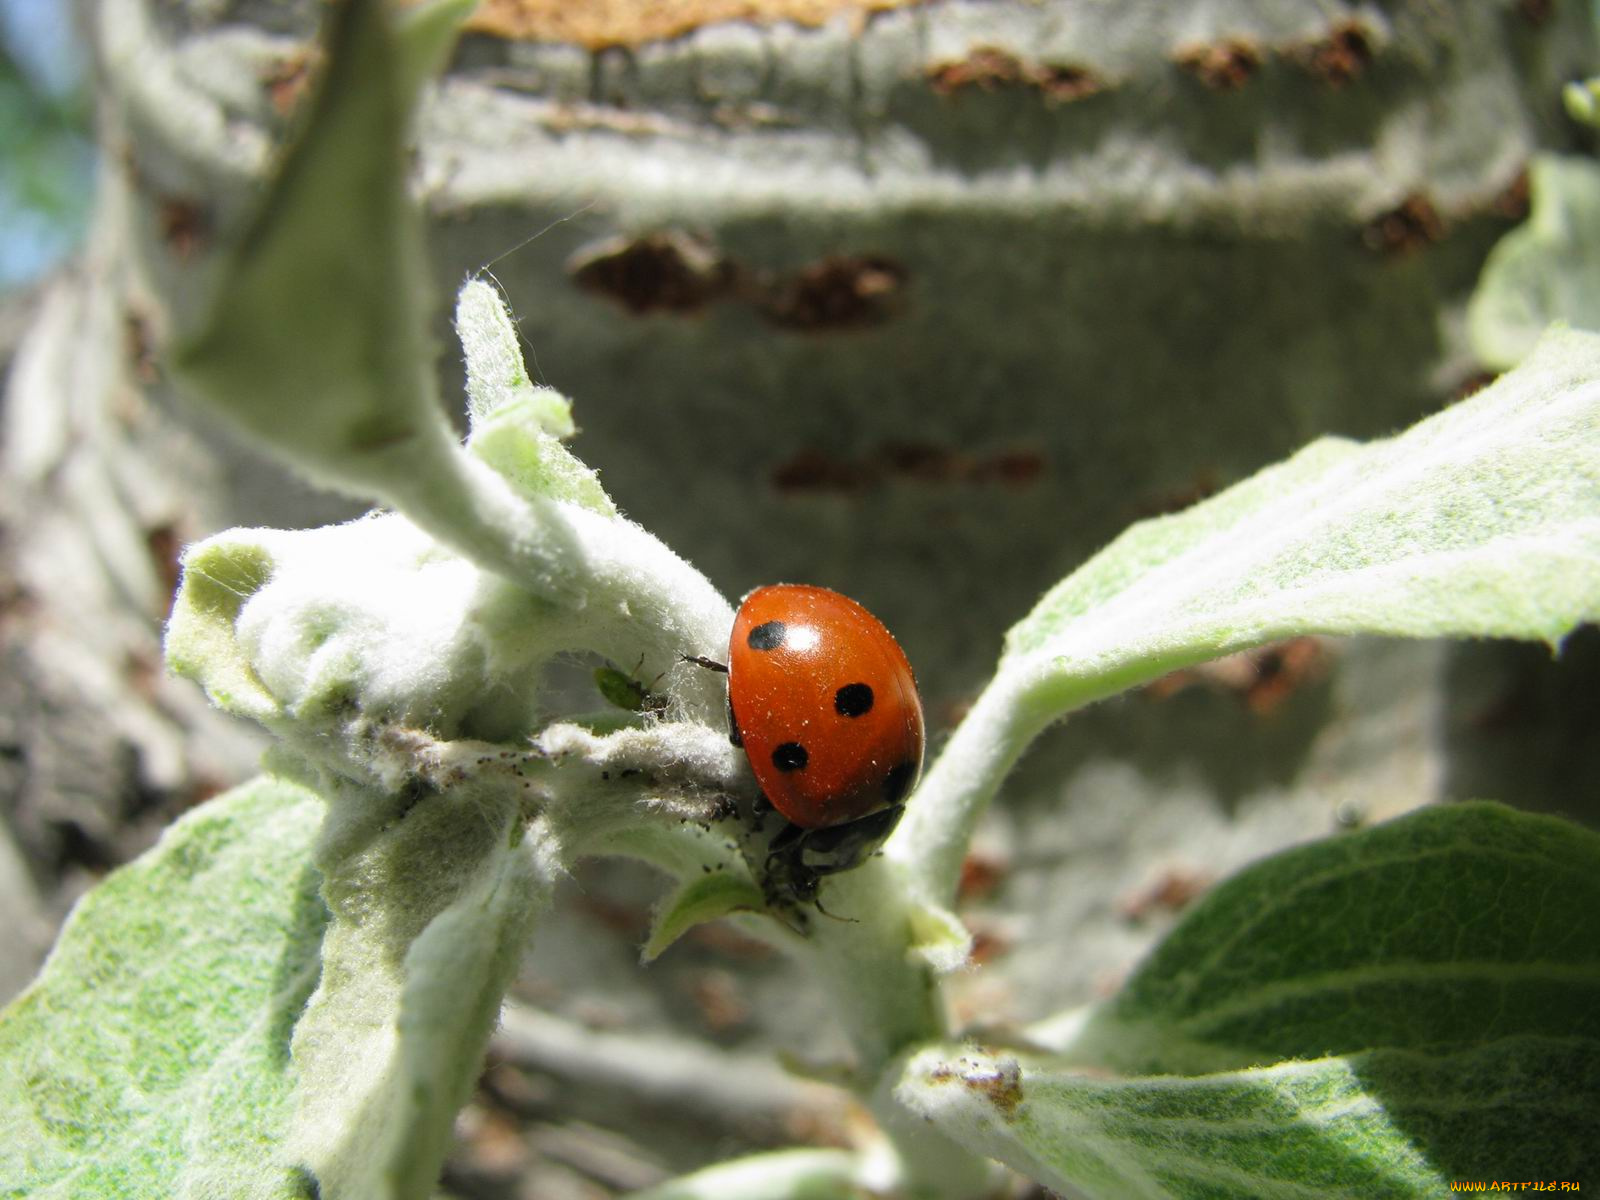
<point>817,901</point>
<point>709,664</point>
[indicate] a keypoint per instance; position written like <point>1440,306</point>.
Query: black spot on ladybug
<point>768,635</point>
<point>898,782</point>
<point>791,756</point>
<point>734,735</point>
<point>853,700</point>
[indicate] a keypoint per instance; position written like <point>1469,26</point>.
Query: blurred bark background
<point>921,301</point>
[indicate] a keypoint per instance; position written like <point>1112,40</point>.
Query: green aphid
<point>626,692</point>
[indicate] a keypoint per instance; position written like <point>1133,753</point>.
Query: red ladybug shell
<point>825,704</point>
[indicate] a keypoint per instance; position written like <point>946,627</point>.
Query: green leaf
<point>1547,269</point>
<point>1482,521</point>
<point>374,651</point>
<point>425,32</point>
<point>361,645</point>
<point>698,901</point>
<point>516,426</point>
<point>496,373</point>
<point>1438,976</point>
<point>315,341</point>
<point>1384,1123</point>
<point>151,1057</point>
<point>1444,929</point>
<point>219,576</point>
<point>1582,101</point>
<point>433,896</point>
<point>939,938</point>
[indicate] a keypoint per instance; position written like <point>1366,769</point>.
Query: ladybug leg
<point>760,812</point>
<point>816,902</point>
<point>790,879</point>
<point>786,874</point>
<point>787,843</point>
<point>799,859</point>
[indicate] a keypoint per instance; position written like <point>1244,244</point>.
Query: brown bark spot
<point>921,461</point>
<point>988,945</point>
<point>721,939</point>
<point>142,672</point>
<point>628,920</point>
<point>1222,66</point>
<point>16,601</point>
<point>288,79</point>
<point>1514,200</point>
<point>1010,468</point>
<point>185,225</point>
<point>1206,482</point>
<point>837,292</point>
<point>670,271</point>
<point>1263,677</point>
<point>980,875</point>
<point>1410,226</point>
<point>717,995</point>
<point>165,544</point>
<point>991,68</point>
<point>1471,384</point>
<point>1172,891</point>
<point>814,471</point>
<point>138,345</point>
<point>1536,12</point>
<point>908,461</point>
<point>1282,669</point>
<point>1341,54</point>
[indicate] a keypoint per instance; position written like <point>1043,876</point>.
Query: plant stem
<point>890,1001</point>
<point>933,836</point>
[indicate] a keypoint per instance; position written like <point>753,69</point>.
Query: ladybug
<point>824,704</point>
